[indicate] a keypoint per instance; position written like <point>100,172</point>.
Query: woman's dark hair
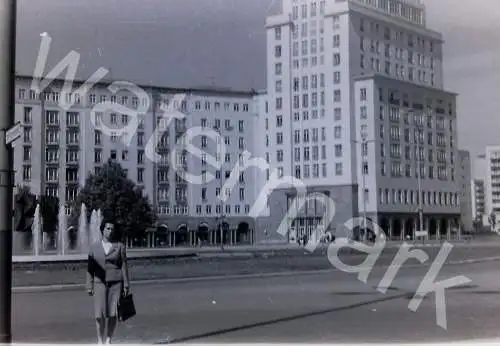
<point>104,222</point>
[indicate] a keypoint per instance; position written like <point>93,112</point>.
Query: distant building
<point>465,167</point>
<point>492,182</point>
<point>478,202</point>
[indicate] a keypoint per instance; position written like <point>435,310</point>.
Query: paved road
<point>316,307</point>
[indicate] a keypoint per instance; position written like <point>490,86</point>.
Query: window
<point>277,33</point>
<point>279,156</point>
<point>27,153</point>
<point>279,121</point>
<point>338,150</point>
<point>72,118</point>
<point>336,41</point>
<point>140,175</point>
<point>336,77</point>
<point>27,115</point>
<point>278,69</point>
<point>297,136</point>
<point>140,157</point>
<point>337,96</point>
<point>27,173</point>
<point>279,103</point>
<point>279,86</point>
<point>306,136</point>
<point>277,51</point>
<point>315,170</point>
<point>337,114</point>
<point>296,154</point>
<point>337,132</point>
<point>338,169</point>
<point>279,138</point>
<point>363,94</point>
<point>306,154</point>
<point>363,112</point>
<point>336,59</point>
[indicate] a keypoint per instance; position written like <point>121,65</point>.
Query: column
<point>438,229</point>
<point>403,229</point>
<point>449,233</point>
<point>390,228</point>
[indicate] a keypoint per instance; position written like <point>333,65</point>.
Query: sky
<point>188,43</point>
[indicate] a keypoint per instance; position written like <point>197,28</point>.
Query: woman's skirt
<point>106,298</point>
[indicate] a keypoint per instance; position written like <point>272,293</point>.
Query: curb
<point>75,287</point>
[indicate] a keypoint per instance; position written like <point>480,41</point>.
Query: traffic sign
<point>13,133</point>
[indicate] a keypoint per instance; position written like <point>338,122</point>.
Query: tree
<point>49,210</point>
<point>118,198</point>
<point>24,209</point>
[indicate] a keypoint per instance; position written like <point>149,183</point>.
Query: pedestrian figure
<point>107,280</point>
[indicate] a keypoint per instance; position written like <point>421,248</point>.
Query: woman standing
<point>107,280</point>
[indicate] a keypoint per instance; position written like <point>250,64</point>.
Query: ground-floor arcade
<point>405,226</point>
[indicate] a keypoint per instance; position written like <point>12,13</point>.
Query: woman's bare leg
<point>100,325</point>
<point>111,329</point>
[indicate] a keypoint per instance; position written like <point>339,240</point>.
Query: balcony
<point>181,200</point>
<point>163,164</point>
<point>163,183</point>
<point>52,142</point>
<point>180,128</point>
<point>181,210</point>
<point>163,148</point>
<point>163,210</point>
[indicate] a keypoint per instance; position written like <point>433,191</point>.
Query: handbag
<point>126,307</point>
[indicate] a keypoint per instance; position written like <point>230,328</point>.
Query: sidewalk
<point>241,251</point>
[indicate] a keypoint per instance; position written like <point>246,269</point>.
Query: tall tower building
<point>358,111</point>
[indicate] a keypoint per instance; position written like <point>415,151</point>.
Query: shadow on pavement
<point>280,320</point>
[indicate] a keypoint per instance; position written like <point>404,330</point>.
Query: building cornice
<point>351,6</point>
<point>205,90</point>
<point>402,83</point>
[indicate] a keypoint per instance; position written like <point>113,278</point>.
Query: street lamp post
<point>419,184</point>
<point>222,180</point>
<point>364,143</point>
<point>7,118</point>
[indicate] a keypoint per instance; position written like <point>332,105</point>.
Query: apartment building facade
<point>62,145</point>
<point>356,102</point>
